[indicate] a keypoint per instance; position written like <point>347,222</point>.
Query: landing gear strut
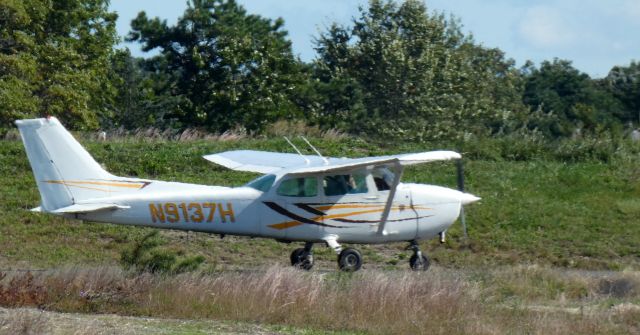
<point>303,257</point>
<point>418,261</point>
<point>349,259</point>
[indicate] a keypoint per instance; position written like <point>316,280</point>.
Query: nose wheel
<point>418,261</point>
<point>303,257</point>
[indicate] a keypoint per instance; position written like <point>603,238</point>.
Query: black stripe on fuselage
<point>310,209</point>
<point>378,221</point>
<point>296,217</point>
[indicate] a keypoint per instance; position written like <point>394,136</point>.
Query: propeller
<point>460,173</point>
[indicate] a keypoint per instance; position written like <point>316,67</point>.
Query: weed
<point>146,256</point>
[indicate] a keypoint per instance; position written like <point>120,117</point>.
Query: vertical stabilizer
<point>64,171</point>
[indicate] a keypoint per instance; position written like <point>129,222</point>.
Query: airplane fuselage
<point>418,212</point>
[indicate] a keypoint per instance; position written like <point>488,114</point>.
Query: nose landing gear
<point>418,261</point>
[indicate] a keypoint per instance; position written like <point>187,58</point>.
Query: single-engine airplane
<point>298,198</point>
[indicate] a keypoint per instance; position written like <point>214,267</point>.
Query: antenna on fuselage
<point>326,161</point>
<point>296,149</point>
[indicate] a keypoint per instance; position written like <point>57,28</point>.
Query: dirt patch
<point>34,321</point>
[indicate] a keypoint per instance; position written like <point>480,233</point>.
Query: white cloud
<point>544,28</point>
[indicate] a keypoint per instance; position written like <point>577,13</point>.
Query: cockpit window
<point>299,187</point>
<point>263,183</point>
<point>345,184</point>
<point>383,178</point>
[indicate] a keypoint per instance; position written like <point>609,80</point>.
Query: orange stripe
<point>88,188</point>
<point>285,225</point>
<point>75,182</point>
<point>338,206</point>
<point>289,224</point>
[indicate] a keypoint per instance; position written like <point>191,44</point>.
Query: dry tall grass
<point>152,134</point>
<point>528,300</point>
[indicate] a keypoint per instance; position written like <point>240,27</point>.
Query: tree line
<point>396,71</point>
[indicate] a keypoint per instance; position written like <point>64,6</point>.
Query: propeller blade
<point>460,173</point>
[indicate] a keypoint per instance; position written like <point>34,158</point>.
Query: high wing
<point>263,161</point>
<point>399,160</point>
<point>272,162</point>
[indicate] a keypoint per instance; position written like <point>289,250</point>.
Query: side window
<point>298,187</point>
<point>345,184</point>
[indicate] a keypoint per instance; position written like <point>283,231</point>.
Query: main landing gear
<point>303,257</point>
<point>349,259</point>
<point>418,261</point>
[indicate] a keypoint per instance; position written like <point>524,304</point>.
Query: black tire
<point>419,266</point>
<point>302,259</point>
<point>350,260</point>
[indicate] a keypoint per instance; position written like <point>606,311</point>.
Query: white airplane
<point>299,198</point>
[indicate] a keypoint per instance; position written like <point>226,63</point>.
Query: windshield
<point>263,183</point>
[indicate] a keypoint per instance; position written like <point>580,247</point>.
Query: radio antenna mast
<point>326,161</point>
<point>296,149</point>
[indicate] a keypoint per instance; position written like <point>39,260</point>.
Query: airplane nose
<point>467,198</point>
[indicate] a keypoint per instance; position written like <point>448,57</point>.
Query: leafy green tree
<point>577,101</point>
<point>144,95</point>
<point>624,83</point>
<point>54,60</point>
<point>400,71</point>
<point>231,67</point>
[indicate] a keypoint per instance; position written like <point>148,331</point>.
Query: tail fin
<point>64,171</point>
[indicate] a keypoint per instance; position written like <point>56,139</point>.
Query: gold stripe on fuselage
<point>378,209</point>
<point>86,184</point>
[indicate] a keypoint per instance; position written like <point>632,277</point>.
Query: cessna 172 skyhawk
<point>301,198</point>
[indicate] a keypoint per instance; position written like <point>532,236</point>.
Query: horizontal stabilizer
<point>86,208</point>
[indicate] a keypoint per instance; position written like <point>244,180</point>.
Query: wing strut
<point>397,170</point>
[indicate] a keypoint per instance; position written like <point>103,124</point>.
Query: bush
<point>147,256</point>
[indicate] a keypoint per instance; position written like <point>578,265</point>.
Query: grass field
<point>541,211</point>
<point>553,248</point>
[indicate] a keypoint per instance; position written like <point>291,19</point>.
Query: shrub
<point>147,256</point>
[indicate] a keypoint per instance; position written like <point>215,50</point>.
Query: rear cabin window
<point>345,184</point>
<point>299,187</point>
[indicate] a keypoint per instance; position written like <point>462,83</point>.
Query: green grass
<point>544,211</point>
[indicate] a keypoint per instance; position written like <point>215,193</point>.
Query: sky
<point>594,34</point>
